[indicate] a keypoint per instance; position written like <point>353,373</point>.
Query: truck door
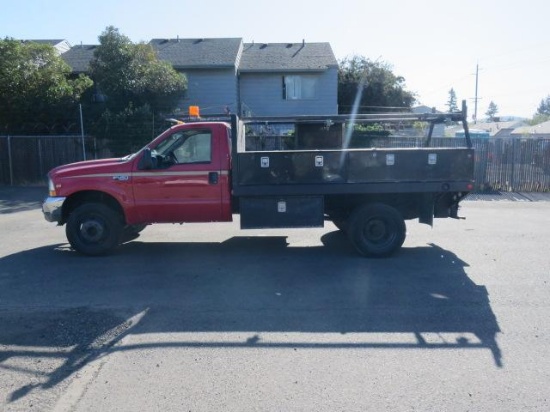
<point>184,183</point>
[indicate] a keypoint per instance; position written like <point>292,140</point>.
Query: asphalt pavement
<point>207,317</point>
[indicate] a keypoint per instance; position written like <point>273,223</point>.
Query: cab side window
<point>196,148</point>
<point>183,147</point>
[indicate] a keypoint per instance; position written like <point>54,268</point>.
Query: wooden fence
<point>502,164</point>
<point>25,160</point>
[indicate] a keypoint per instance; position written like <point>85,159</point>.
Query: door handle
<point>213,178</point>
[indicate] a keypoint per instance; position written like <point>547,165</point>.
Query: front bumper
<point>51,207</point>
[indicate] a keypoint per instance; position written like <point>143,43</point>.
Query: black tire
<point>376,230</point>
<point>94,229</point>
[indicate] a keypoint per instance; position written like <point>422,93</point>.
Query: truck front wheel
<point>376,230</point>
<point>94,229</point>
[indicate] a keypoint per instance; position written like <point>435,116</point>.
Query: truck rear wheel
<point>94,229</point>
<point>376,230</point>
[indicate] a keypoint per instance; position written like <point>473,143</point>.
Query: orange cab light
<point>194,111</point>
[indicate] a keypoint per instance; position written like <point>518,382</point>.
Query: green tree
<point>131,80</point>
<point>371,86</point>
<point>37,94</point>
<point>492,110</point>
<point>452,102</point>
<point>543,112</point>
<point>127,72</point>
<point>544,107</point>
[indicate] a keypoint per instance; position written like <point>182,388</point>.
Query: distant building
<point>499,129</point>
<point>424,109</point>
<point>474,134</point>
<point>539,131</point>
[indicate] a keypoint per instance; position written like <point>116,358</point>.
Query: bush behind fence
<point>502,164</point>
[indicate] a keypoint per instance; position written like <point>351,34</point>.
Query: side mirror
<point>146,161</point>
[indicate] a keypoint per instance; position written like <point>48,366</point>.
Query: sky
<point>434,45</point>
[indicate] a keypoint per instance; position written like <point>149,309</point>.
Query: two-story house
<point>226,75</point>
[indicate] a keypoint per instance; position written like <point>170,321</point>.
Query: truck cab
<point>181,176</point>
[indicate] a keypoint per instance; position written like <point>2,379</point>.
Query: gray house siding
<point>261,94</point>
<point>212,90</point>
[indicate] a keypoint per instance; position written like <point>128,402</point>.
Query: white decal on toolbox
<point>319,161</point>
<point>432,158</point>
<point>281,206</point>
<point>390,159</point>
<point>264,161</point>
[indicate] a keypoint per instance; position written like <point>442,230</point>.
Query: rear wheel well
<point>91,196</point>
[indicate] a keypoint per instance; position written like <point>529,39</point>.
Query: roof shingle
<point>79,57</point>
<point>199,53</point>
<point>226,53</point>
<point>270,57</point>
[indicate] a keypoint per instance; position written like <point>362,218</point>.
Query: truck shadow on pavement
<point>79,309</point>
<point>17,199</point>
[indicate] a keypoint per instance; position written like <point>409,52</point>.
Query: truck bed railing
<point>341,118</point>
<point>345,125</point>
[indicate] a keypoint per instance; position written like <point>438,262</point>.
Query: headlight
<point>51,188</point>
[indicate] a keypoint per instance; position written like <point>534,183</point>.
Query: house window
<point>299,87</point>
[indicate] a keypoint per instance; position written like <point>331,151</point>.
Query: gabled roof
<point>52,42</point>
<point>199,53</point>
<point>535,131</point>
<point>79,57</point>
<point>61,45</point>
<point>424,109</point>
<point>499,129</point>
<point>225,53</point>
<point>277,57</point>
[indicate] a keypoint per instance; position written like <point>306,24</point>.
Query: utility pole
<point>82,132</point>
<point>475,98</point>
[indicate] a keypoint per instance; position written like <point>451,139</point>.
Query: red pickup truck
<point>275,173</point>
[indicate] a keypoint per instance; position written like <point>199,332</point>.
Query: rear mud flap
<point>426,209</point>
